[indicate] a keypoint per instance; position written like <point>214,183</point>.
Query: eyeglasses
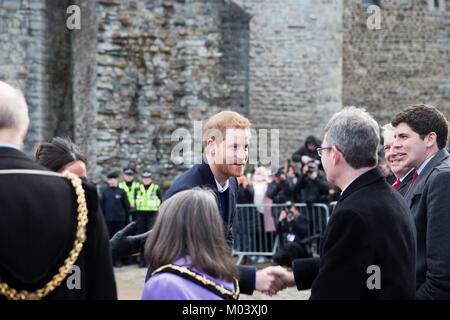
<point>320,150</point>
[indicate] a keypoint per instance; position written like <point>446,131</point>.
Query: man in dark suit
<point>38,220</point>
<point>226,137</point>
<point>368,249</point>
<point>403,173</point>
<point>421,133</point>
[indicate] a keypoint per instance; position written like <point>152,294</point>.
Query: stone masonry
<point>139,70</point>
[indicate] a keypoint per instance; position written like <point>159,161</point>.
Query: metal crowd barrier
<point>252,239</point>
<point>332,205</point>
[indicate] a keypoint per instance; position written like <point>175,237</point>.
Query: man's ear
<point>211,147</point>
<point>430,139</point>
<point>336,155</point>
<point>25,130</point>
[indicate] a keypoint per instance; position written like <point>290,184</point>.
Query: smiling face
<point>128,177</point>
<point>410,150</point>
<point>231,155</point>
<point>393,156</point>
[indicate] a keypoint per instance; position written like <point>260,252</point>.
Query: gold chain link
<point>13,294</point>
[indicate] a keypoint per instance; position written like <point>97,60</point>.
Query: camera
<point>312,167</point>
<point>289,213</point>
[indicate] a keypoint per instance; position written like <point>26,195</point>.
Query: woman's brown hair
<point>189,223</point>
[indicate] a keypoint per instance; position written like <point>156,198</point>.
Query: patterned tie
<point>414,178</point>
<point>396,183</point>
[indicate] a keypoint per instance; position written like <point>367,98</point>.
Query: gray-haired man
<point>403,173</point>
<point>368,250</point>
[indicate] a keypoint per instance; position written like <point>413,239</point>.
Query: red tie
<point>395,185</point>
<point>414,178</point>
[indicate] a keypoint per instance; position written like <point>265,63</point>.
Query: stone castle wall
<point>405,62</point>
<point>35,57</point>
<point>139,70</point>
<point>161,66</point>
<point>295,67</point>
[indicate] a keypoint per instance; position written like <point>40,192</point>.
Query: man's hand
<point>286,277</point>
<point>306,159</point>
<point>122,244</point>
<point>282,215</point>
<point>269,281</point>
<point>133,206</point>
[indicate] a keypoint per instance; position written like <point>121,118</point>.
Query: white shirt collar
<point>424,164</point>
<point>342,192</point>
<point>220,188</point>
<point>403,178</point>
<point>8,145</point>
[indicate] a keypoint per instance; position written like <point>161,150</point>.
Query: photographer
<point>293,224</point>
<point>280,190</point>
<point>314,184</point>
<point>308,152</point>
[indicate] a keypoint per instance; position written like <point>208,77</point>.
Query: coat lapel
<point>422,179</point>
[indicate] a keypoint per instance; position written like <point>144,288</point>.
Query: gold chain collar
<point>234,293</point>
<point>13,294</point>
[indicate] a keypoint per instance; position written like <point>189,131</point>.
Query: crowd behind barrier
<point>255,234</point>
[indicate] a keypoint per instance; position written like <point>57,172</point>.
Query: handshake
<point>272,279</point>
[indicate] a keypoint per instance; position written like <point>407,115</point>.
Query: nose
<point>396,143</point>
<point>241,154</point>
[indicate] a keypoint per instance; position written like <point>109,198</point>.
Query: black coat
<point>38,222</point>
<point>281,192</point>
<point>200,175</point>
<point>429,202</point>
<point>304,151</point>
<point>246,195</point>
<point>115,204</point>
<point>315,190</point>
<point>371,225</point>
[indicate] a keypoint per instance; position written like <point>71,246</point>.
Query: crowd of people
<point>53,220</point>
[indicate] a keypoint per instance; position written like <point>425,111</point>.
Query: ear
<point>430,139</point>
<point>336,155</point>
<point>211,147</point>
<point>25,130</point>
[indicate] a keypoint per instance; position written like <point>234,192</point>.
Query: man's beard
<point>229,170</point>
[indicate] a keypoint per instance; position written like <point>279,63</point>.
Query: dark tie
<point>414,178</point>
<point>396,183</point>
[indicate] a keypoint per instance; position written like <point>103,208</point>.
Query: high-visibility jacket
<point>130,191</point>
<point>147,199</point>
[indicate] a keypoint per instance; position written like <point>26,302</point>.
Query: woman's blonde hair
<point>189,223</point>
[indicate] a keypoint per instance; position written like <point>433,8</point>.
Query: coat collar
<point>207,175</point>
<point>422,179</point>
<point>12,153</point>
<point>407,179</point>
<point>363,180</point>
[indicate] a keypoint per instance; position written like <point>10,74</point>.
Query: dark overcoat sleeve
<point>345,254</point>
<point>99,271</point>
<point>437,282</point>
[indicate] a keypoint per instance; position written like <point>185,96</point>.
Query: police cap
<point>129,171</point>
<point>146,174</point>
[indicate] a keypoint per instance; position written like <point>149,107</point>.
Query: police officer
<point>115,207</point>
<point>130,186</point>
<point>148,199</point>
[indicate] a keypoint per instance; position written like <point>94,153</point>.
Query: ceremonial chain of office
<point>13,294</point>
